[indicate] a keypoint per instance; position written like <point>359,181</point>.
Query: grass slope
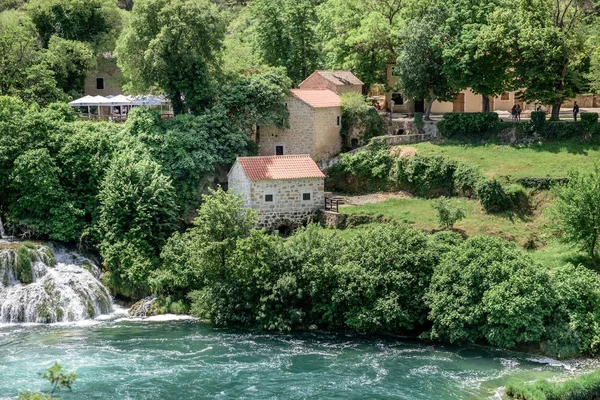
<point>534,160</point>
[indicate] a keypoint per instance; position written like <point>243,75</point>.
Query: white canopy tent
<point>123,104</point>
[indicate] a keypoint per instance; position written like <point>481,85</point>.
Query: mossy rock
<point>23,264</point>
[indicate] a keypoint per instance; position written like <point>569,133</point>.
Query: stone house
<point>314,127</point>
<point>336,81</point>
<point>284,190</point>
<point>107,79</point>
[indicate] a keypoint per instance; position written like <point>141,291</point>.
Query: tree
<point>551,56</point>
<point>577,211</point>
<point>360,35</point>
<point>136,216</point>
<point>174,46</point>
<point>57,378</point>
<point>70,61</point>
<point>448,215</point>
<point>476,51</point>
<point>420,64</point>
<point>285,35</point>
<point>486,289</point>
<point>97,22</point>
<point>23,72</point>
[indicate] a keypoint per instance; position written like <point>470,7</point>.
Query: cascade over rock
<point>43,284</point>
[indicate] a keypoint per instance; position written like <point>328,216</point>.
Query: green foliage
<point>360,118</point>
<point>448,214</point>
<point>576,318</point>
<point>426,175</point>
<point>468,125</point>
<point>24,258</point>
<point>577,208</point>
<point>538,119</point>
<point>589,118</point>
<point>137,213</point>
<point>70,61</point>
<point>58,379</point>
<point>362,171</point>
<point>420,64</point>
<point>285,35</point>
<point>486,289</point>
<point>493,197</point>
<point>579,388</point>
<point>257,99</point>
<point>96,22</point>
<point>163,34</point>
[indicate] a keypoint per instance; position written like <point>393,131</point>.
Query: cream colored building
<point>466,101</point>
<point>283,190</point>
<point>106,79</point>
<point>336,81</point>
<point>314,127</point>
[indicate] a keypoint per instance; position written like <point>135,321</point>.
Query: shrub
<point>493,197</point>
<point>429,175</point>
<point>583,387</point>
<point>468,125</point>
<point>487,289</point>
<point>543,183</point>
<point>360,116</point>
<point>448,214</point>
<point>589,118</point>
<point>538,119</point>
<point>465,180</point>
<point>519,198</point>
<point>419,120</point>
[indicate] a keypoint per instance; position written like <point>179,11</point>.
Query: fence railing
<point>332,204</point>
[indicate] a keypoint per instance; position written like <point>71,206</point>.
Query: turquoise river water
<point>129,359</point>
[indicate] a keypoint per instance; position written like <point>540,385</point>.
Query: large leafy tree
<point>477,52</point>
<point>23,70</point>
<point>361,35</point>
<point>174,46</point>
<point>70,61</point>
<point>420,65</point>
<point>577,211</point>
<point>285,35</point>
<point>551,57</point>
<point>93,21</point>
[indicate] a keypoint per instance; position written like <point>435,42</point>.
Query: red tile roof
<point>340,77</point>
<point>318,98</point>
<point>297,166</point>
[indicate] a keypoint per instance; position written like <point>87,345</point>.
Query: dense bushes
<point>472,125</point>
<point>581,388</point>
<point>493,197</point>
<point>360,120</point>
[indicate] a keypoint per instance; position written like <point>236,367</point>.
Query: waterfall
<point>2,233</point>
<point>48,284</point>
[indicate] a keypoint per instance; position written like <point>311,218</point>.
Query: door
<point>459,103</point>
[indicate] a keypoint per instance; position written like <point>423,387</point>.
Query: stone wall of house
<point>297,139</point>
<point>327,138</point>
<point>240,184</point>
<point>287,207</point>
<point>113,78</point>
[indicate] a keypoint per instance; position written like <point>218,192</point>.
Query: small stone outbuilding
<point>284,190</point>
<point>336,81</point>
<point>314,127</point>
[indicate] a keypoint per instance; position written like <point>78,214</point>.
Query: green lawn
<point>535,160</point>
<point>419,213</point>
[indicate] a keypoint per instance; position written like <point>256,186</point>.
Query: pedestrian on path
<point>575,111</point>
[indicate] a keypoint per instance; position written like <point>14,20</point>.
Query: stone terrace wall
<point>288,206</point>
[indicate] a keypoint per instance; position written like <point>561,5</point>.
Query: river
<point>120,358</point>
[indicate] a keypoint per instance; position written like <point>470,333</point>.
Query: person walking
<point>513,112</point>
<point>575,111</point>
<point>519,112</point>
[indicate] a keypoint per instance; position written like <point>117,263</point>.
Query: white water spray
<point>2,232</point>
<point>40,285</point>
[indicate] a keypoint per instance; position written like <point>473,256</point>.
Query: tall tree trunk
<point>432,98</point>
<point>555,115</point>
<point>486,103</point>
<point>177,103</point>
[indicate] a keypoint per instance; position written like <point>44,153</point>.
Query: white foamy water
<point>39,285</point>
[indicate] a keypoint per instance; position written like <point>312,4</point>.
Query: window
<point>268,198</point>
<point>398,99</point>
<point>504,96</point>
<point>100,83</point>
<point>339,120</point>
<point>278,150</point>
<point>305,196</point>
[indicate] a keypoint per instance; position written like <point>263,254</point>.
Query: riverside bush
<point>487,290</point>
<point>468,125</point>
